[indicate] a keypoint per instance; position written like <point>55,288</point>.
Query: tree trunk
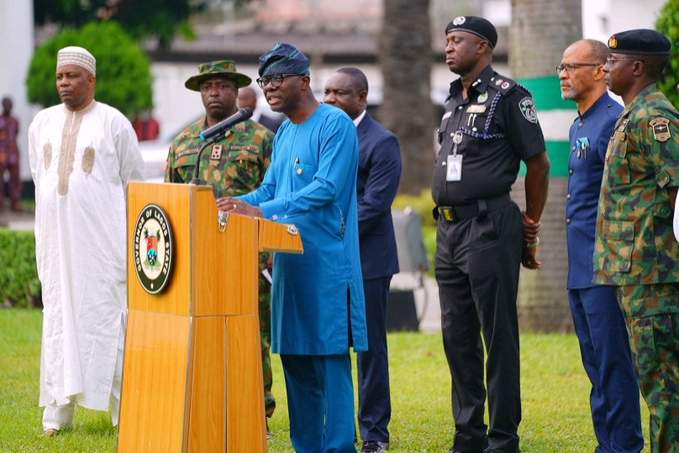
<point>405,59</point>
<point>539,33</point>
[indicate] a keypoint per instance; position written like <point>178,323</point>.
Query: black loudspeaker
<point>401,312</point>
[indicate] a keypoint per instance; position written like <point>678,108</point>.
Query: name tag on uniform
<point>476,108</point>
<point>454,168</point>
<point>216,153</point>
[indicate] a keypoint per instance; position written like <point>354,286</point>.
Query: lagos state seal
<point>153,249</point>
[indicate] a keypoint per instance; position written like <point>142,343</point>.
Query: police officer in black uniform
<point>489,126</point>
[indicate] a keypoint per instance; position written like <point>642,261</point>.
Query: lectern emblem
<point>153,249</point>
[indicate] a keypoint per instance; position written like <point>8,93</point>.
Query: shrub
<point>422,204</point>
<point>123,69</point>
<point>668,24</point>
<point>19,284</point>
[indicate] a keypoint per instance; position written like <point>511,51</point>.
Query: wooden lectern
<point>192,378</point>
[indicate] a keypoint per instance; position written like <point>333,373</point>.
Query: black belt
<point>471,210</point>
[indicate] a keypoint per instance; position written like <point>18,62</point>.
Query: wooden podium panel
<point>243,343</point>
<point>208,409</point>
<point>225,271</point>
<point>176,201</point>
<point>192,376</point>
<point>156,359</point>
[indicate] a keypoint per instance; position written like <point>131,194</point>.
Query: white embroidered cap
<point>77,56</point>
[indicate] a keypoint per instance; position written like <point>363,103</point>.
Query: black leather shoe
<point>372,446</point>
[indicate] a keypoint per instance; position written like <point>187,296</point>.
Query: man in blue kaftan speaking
<point>318,309</point>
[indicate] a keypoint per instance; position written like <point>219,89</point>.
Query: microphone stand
<point>196,171</point>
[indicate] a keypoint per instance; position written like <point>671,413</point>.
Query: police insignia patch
<point>459,20</point>
<point>527,108</point>
<point>661,129</point>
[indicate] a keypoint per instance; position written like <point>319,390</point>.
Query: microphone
<point>225,124</point>
<point>212,134</point>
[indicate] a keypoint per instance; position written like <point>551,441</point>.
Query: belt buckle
<point>448,214</point>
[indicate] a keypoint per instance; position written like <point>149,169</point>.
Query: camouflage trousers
<point>265,335</point>
<point>652,319</point>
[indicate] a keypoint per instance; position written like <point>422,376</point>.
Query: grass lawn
<point>554,389</point>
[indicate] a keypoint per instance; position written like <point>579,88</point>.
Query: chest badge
<point>216,153</point>
<point>476,108</point>
<point>483,97</point>
<point>581,147</point>
<point>661,129</point>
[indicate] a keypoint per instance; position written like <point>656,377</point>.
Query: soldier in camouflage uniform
<point>635,249</point>
<point>233,166</point>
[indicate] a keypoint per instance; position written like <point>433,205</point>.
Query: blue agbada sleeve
<point>337,161</point>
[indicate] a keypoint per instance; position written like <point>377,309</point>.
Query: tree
<point>123,69</point>
<point>149,18</point>
<point>405,59</point>
<point>668,23</point>
<point>539,33</point>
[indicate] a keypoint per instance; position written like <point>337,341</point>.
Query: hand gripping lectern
<point>192,378</point>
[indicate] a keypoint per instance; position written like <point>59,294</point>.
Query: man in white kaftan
<point>82,153</point>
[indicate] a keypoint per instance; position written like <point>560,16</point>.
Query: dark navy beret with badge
<point>476,25</point>
<point>641,41</point>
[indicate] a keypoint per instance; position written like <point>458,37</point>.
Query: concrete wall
<point>16,36</point>
<point>602,18</point>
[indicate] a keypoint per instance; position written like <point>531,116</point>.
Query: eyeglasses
<point>570,67</point>
<point>275,80</point>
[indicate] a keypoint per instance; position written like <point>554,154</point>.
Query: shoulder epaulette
<point>501,83</point>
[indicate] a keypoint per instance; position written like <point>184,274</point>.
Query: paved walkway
<point>23,221</point>
<point>426,294</point>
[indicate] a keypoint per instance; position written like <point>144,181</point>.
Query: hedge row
<point>20,287</point>
<point>422,204</point>
<point>19,284</point>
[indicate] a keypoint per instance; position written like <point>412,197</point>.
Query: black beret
<point>473,24</point>
<point>641,41</point>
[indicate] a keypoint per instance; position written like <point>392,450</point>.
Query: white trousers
<point>58,417</point>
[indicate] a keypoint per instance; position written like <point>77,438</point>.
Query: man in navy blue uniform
<point>379,171</point>
<point>489,127</point>
<point>598,320</point>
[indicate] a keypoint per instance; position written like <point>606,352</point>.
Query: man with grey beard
<point>599,323</point>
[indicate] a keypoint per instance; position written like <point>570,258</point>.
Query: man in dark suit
<point>247,98</point>
<point>379,171</point>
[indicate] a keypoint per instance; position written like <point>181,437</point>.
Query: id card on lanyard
<point>454,161</point>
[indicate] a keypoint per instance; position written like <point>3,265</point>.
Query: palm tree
<point>539,32</point>
<point>405,58</point>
